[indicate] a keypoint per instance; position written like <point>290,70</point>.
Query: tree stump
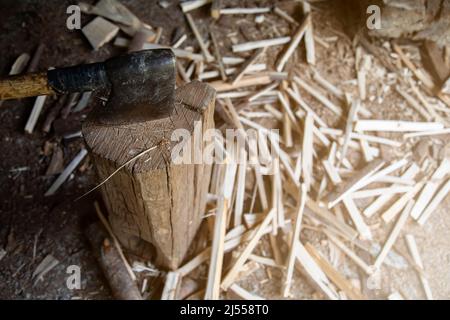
<point>152,198</point>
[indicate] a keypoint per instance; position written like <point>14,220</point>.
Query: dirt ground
<point>54,225</point>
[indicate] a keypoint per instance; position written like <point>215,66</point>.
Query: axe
<point>141,85</point>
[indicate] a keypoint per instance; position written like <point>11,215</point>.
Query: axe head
<point>142,87</point>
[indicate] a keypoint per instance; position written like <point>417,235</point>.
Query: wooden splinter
<point>152,199</point>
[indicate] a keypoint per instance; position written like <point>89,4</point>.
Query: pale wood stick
<point>182,72</point>
<point>327,85</point>
<point>212,291</point>
<point>249,81</point>
<point>429,133</point>
<point>244,294</point>
<point>353,184</point>
<point>330,219</point>
<point>400,203</point>
<point>396,126</point>
<point>215,9</point>
<point>192,5</point>
<point>232,113</point>
<point>334,275</point>
<point>265,261</point>
<point>414,104</point>
<point>307,152</point>
<point>309,36</point>
<point>375,139</point>
<point>232,60</point>
<point>316,94</point>
<point>296,38</point>
<point>230,71</point>
<point>66,173</point>
<point>263,91</point>
<point>380,191</point>
<point>357,218</point>
<point>295,238</point>
<point>172,285</point>
<point>19,64</point>
<point>414,252</point>
<point>198,36</point>
<point>244,10</point>
<point>105,223</point>
<point>287,131</point>
<point>240,193</point>
<point>393,235</point>
<point>396,180</point>
<point>180,41</point>
<point>410,173</point>
<point>245,66</point>
<point>218,56</point>
<point>284,15</point>
<point>430,188</point>
<point>331,172</point>
<point>314,271</point>
<point>274,141</point>
<point>356,259</point>
<point>432,206</point>
<point>232,273</point>
<point>34,115</point>
<point>260,44</point>
<point>275,112</point>
<point>428,107</point>
<point>302,104</point>
<point>395,296</point>
<point>351,117</point>
<point>285,104</point>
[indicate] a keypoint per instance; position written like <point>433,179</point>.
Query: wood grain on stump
<point>152,198</point>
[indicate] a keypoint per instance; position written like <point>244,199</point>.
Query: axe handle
<point>27,85</point>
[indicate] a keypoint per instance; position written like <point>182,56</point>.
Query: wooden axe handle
<point>27,85</point>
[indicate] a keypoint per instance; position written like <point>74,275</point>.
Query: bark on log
<point>152,198</point>
<point>119,280</point>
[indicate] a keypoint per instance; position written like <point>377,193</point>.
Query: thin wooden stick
<point>171,287</point>
<point>396,126</point>
<point>252,45</point>
<point>244,10</point>
<point>314,271</point>
<point>357,218</point>
<point>410,173</point>
<point>34,115</point>
<point>108,228</point>
<point>296,38</point>
<point>414,252</point>
<point>212,291</point>
<point>295,238</point>
<point>432,206</point>
<point>316,94</point>
<point>245,66</point>
<point>393,235</point>
<point>66,173</point>
<point>231,275</point>
<point>309,35</point>
<point>430,188</point>
<point>218,56</point>
<point>334,275</point>
<point>284,15</point>
<point>363,265</point>
<point>192,5</point>
<point>198,36</point>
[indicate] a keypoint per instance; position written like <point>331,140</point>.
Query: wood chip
<point>99,32</point>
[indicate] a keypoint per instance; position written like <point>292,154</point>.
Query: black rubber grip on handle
<point>88,77</point>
